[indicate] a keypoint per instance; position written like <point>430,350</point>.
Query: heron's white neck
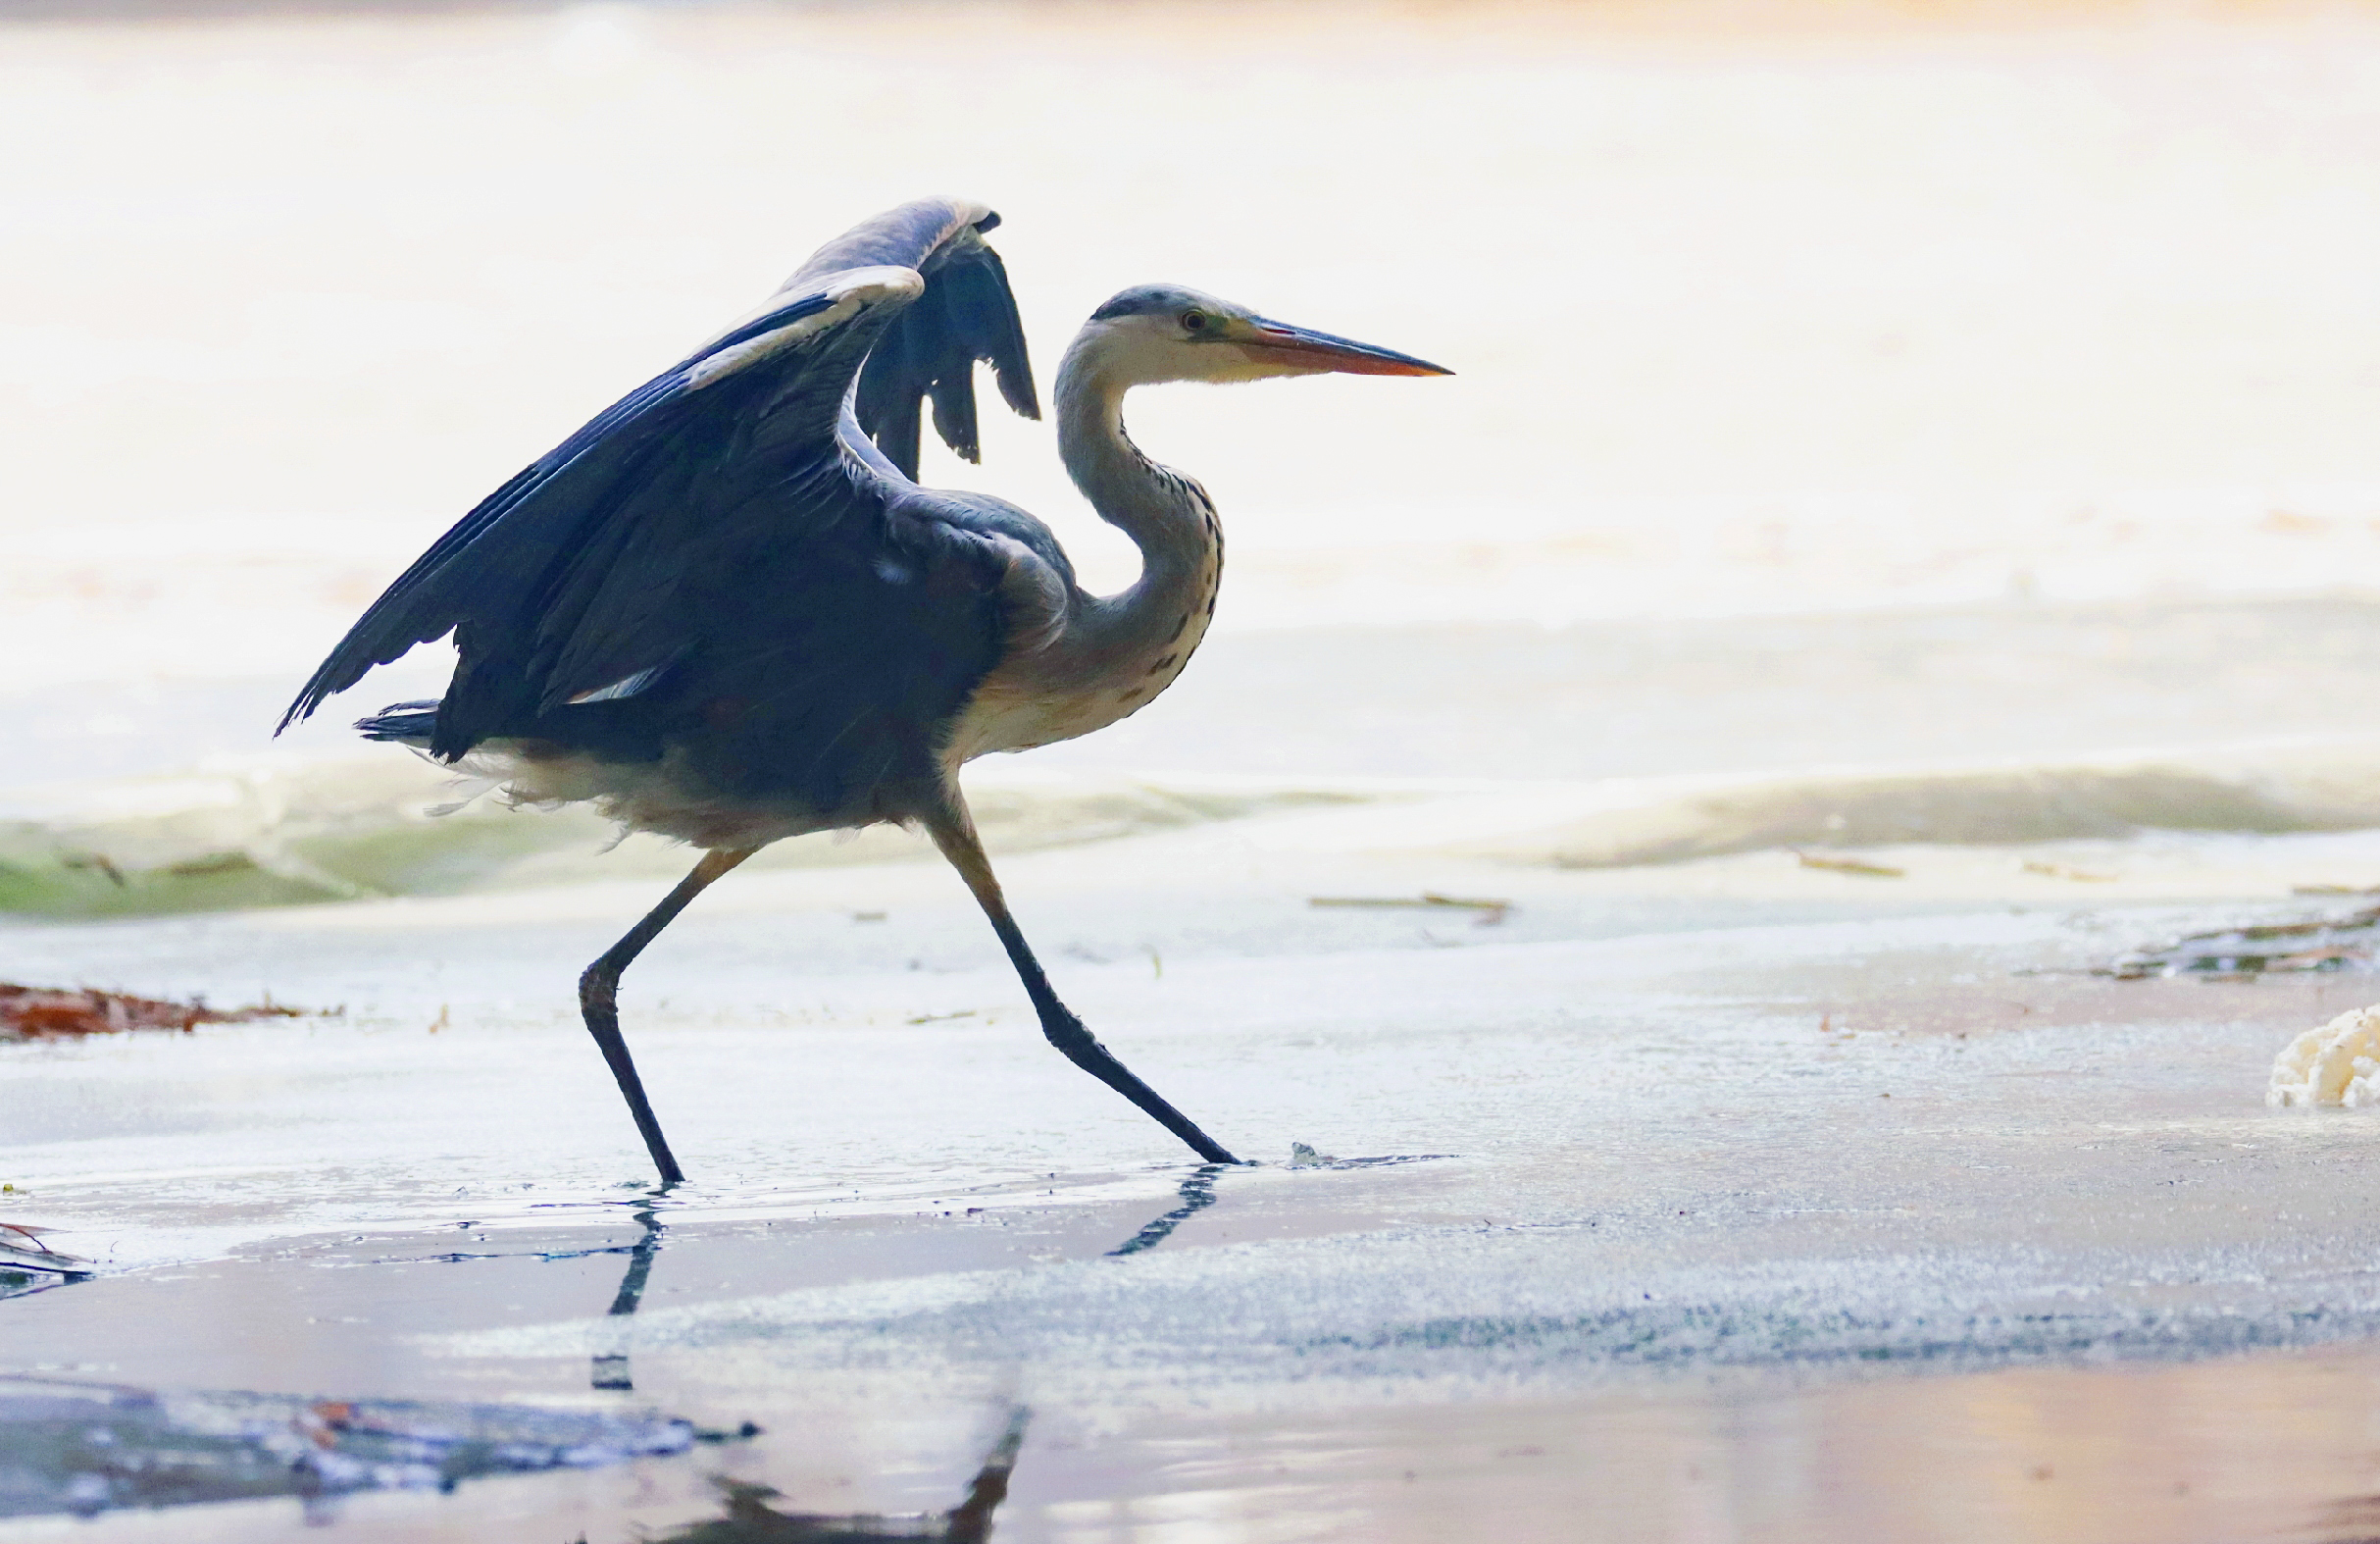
<point>1109,656</point>
<point>1167,516</point>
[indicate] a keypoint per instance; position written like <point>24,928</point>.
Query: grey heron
<point>726,611</point>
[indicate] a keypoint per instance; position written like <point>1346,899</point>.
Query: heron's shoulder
<point>981,515</point>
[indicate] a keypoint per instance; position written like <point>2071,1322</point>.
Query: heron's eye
<point>1193,321</point>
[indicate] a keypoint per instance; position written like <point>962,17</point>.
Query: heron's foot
<point>1068,1033</point>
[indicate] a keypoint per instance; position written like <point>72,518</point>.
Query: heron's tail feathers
<point>407,723</point>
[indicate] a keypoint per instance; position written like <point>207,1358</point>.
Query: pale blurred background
<point>1798,308</point>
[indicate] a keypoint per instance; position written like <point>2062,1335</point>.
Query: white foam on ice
<point>2337,1064</point>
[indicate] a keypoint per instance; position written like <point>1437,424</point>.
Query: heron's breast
<point>1041,699</point>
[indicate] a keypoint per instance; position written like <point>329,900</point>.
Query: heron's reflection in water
<point>1197,1193</point>
<point>611,1367</point>
<point>750,1520</point>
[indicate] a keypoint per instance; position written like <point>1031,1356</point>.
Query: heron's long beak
<point>1279,344</point>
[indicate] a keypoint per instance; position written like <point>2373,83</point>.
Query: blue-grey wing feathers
<point>720,564</point>
<point>598,561</point>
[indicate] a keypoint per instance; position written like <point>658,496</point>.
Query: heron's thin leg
<point>954,833</point>
<point>599,1002</point>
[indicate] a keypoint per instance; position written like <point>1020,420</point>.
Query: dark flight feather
<point>931,350</point>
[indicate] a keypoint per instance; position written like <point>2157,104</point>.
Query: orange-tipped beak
<point>1276,342</point>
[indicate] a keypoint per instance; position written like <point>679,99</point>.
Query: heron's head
<point>1157,332</point>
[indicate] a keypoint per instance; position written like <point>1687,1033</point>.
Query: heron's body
<point>724,612</point>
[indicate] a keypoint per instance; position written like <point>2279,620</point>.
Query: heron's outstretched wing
<point>930,352</point>
<point>593,564</point>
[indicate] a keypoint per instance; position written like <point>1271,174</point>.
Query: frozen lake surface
<point>1637,1192</point>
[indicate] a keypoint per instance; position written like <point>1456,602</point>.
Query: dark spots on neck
<point>1178,627</point>
<point>1164,660</point>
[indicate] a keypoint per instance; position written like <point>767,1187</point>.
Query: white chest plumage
<point>1039,699</point>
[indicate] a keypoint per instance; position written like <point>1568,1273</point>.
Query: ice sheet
<point>1707,1127</point>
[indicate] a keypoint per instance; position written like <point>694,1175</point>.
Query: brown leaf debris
<point>47,1013</point>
